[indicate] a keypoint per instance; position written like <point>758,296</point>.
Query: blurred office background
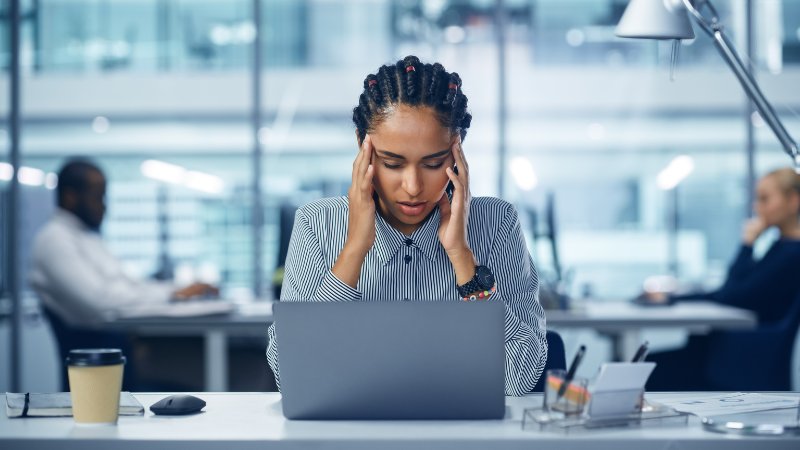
<point>563,110</point>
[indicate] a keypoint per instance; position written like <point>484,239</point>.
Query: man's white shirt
<point>79,280</point>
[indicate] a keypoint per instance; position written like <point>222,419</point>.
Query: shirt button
<point>407,259</point>
<point>409,242</point>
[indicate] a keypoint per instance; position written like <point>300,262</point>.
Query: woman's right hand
<point>360,220</point>
<point>752,230</point>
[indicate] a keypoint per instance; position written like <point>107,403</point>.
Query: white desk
<point>622,322</point>
<point>254,421</point>
<point>247,321</point>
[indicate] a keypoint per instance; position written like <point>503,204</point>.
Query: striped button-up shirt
<point>416,268</point>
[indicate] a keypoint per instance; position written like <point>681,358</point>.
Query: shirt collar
<point>388,239</point>
<point>70,220</point>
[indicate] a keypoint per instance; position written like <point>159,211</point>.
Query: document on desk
<point>721,404</point>
<point>182,309</point>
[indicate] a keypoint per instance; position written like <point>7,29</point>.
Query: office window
<point>5,177</point>
<point>136,85</point>
<point>142,35</point>
<point>5,54</point>
<point>596,140</point>
<point>6,171</point>
<point>581,33</point>
<point>308,137</point>
<point>591,119</point>
<point>777,64</point>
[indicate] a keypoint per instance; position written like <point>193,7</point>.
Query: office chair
<point>754,360</point>
<point>556,358</point>
<point>285,226</point>
<point>69,338</point>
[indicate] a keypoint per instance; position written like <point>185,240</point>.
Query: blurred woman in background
<point>767,286</point>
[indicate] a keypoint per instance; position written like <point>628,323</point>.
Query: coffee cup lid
<point>95,357</point>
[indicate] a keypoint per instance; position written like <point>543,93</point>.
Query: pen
<point>641,353</point>
<point>571,372</point>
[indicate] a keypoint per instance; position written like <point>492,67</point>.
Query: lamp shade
<point>655,19</point>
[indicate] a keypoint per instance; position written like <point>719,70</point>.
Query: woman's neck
<point>790,230</point>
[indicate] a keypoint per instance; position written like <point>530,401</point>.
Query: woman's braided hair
<point>409,82</point>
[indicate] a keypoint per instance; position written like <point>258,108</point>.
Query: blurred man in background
<point>80,283</point>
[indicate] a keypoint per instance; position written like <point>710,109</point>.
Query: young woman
<point>767,286</point>
<point>408,228</point>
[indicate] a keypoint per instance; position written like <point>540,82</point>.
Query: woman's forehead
<point>411,132</point>
<point>767,183</point>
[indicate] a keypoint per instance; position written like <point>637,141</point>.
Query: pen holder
<point>617,404</point>
<point>575,397</point>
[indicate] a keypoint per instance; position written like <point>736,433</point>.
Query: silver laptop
<point>391,360</point>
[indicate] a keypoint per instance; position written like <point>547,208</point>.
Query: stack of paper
<point>721,404</point>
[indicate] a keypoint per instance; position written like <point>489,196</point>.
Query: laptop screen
<point>391,360</point>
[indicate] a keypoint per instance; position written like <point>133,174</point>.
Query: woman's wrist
<point>354,249</point>
<point>348,265</point>
<point>464,262</point>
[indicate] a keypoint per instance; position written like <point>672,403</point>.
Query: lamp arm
<point>713,28</point>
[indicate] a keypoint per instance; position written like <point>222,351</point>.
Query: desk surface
<point>254,420</point>
<point>621,320</point>
<point>602,316</point>
<point>700,316</point>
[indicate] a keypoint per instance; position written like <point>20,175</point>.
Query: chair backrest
<point>556,357</point>
<point>69,338</point>
<point>755,360</point>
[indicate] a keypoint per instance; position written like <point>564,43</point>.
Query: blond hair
<point>788,180</point>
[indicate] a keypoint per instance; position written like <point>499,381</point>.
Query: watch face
<point>485,277</point>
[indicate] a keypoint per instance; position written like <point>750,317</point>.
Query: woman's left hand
<point>455,215</point>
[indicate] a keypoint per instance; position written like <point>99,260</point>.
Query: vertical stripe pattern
<point>416,268</point>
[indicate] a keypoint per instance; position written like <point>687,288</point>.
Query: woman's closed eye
<point>393,164</point>
<point>389,164</point>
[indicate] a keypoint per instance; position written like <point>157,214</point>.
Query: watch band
<point>471,286</point>
<point>475,285</point>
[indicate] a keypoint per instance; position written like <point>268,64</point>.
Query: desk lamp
<point>669,19</point>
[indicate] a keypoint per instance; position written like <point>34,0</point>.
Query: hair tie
<point>452,86</point>
<point>372,82</point>
<point>410,69</point>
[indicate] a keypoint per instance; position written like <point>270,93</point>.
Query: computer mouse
<point>178,404</point>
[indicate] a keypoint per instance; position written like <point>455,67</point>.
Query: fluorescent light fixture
<point>204,182</point>
<point>6,172</point>
<point>101,125</point>
<point>675,172</point>
<point>263,135</point>
<point>523,173</point>
<point>51,181</point>
<point>30,176</point>
<point>175,174</point>
<point>454,34</point>
<point>162,171</point>
<point>575,37</point>
<point>245,32</point>
<point>596,131</point>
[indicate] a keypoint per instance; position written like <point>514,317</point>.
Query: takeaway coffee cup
<point>95,382</point>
